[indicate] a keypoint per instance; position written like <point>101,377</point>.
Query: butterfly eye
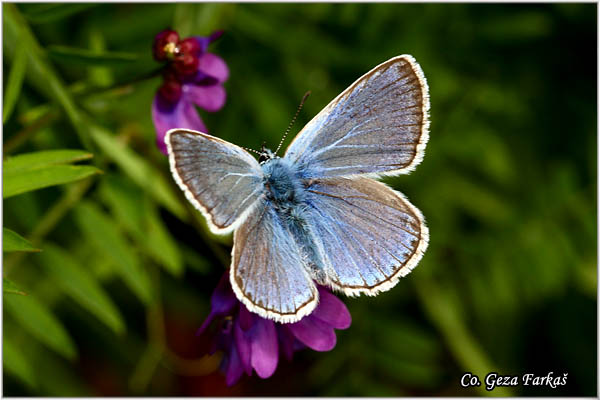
<point>262,158</point>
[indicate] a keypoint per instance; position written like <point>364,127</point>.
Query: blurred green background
<point>508,188</point>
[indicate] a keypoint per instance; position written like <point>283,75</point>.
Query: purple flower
<point>191,78</point>
<point>250,342</point>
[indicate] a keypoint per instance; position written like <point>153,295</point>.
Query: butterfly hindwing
<point>220,179</point>
<point>379,125</point>
<point>268,272</point>
<point>369,235</point>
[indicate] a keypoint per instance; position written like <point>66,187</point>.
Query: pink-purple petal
<point>179,115</point>
<point>210,98</point>
<point>222,302</point>
<point>256,342</point>
<point>332,310</point>
<point>286,341</point>
<point>243,345</point>
<point>252,343</point>
<point>214,66</point>
<point>246,318</point>
<point>189,118</point>
<point>265,351</point>
<point>223,299</point>
<point>204,41</point>
<point>314,333</point>
<point>233,368</point>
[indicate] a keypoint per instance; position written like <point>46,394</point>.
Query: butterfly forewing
<point>220,179</point>
<point>268,273</point>
<point>369,234</point>
<point>379,125</point>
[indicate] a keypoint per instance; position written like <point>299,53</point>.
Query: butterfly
<point>316,215</point>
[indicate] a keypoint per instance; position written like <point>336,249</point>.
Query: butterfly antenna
<point>253,151</point>
<point>293,120</point>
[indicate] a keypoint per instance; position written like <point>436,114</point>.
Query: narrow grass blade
<point>14,83</point>
<point>9,287</point>
<point>12,241</point>
<point>105,235</point>
<point>41,159</point>
<point>26,181</point>
<point>40,322</point>
<point>80,284</point>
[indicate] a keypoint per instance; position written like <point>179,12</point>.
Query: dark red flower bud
<point>186,64</point>
<point>190,46</point>
<point>170,90</point>
<point>165,45</point>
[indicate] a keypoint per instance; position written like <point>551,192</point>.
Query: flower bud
<point>190,46</point>
<point>186,64</point>
<point>170,90</point>
<point>165,45</point>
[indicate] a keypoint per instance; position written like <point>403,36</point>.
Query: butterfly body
<point>285,192</point>
<point>316,214</point>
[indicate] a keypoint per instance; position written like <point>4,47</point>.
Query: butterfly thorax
<point>283,186</point>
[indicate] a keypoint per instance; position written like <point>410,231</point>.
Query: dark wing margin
<point>377,126</point>
<point>220,179</point>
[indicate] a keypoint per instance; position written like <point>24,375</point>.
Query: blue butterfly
<point>316,215</point>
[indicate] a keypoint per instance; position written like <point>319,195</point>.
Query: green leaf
<point>105,235</point>
<point>99,76</point>
<point>99,264</point>
<point>126,202</point>
<point>26,181</point>
<point>41,159</point>
<point>39,321</point>
<point>16,363</point>
<point>85,57</point>
<point>43,13</point>
<point>31,171</point>
<point>14,82</point>
<point>160,244</point>
<point>40,73</point>
<point>141,219</point>
<point>78,283</point>
<point>12,241</point>
<point>56,377</point>
<point>11,288</point>
<point>139,171</point>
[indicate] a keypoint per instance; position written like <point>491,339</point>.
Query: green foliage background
<point>126,267</point>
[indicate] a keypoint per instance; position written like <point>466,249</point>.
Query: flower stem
<point>26,133</point>
<point>145,368</point>
<point>157,350</point>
